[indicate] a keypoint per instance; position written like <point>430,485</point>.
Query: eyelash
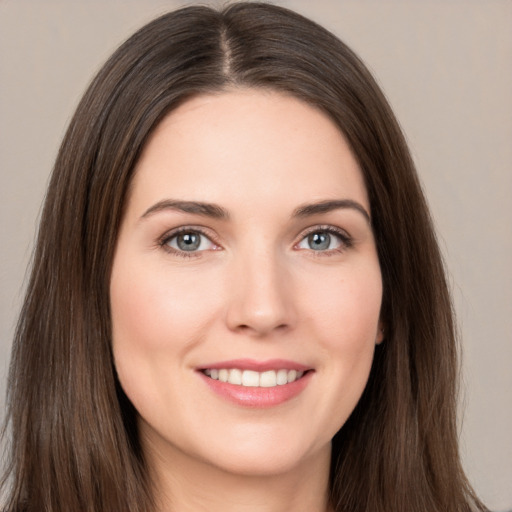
<point>345,240</point>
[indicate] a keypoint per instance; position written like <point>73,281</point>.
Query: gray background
<point>446,67</point>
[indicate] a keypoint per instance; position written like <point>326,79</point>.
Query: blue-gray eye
<point>321,240</point>
<point>190,241</point>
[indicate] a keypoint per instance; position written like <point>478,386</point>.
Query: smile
<point>256,384</point>
<point>254,379</point>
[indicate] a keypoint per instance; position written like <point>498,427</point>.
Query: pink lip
<point>257,397</point>
<point>257,366</point>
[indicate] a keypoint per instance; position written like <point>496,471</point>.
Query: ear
<point>380,334</point>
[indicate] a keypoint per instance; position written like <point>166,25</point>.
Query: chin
<point>262,455</point>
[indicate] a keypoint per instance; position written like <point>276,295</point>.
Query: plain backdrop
<point>446,67</point>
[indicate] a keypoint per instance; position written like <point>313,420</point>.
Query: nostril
<point>261,329</point>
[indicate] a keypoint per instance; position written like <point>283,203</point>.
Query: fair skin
<point>279,276</point>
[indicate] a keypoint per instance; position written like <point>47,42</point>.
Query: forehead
<point>262,146</point>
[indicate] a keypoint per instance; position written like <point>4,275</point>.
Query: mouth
<point>254,379</point>
<point>259,384</point>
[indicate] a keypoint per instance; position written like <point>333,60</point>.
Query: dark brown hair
<point>74,444</point>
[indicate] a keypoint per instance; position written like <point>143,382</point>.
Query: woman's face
<point>246,287</point>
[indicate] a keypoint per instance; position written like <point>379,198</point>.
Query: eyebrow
<point>196,207</point>
<point>329,206</point>
<point>218,212</point>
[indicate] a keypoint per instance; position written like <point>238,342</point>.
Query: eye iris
<point>319,241</point>
<point>188,241</point>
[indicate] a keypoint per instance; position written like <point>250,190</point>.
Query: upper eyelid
<point>188,228</point>
<point>324,227</point>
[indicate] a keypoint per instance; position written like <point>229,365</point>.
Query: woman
<point>237,297</point>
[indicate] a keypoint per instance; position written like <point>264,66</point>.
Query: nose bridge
<point>260,301</point>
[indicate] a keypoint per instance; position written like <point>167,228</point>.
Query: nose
<point>261,299</point>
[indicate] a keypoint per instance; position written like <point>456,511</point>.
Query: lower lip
<point>257,396</point>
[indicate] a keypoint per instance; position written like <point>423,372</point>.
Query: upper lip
<point>257,366</point>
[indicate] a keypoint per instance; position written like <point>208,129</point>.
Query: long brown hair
<point>74,443</point>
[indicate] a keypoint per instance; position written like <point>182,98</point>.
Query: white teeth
<point>282,377</point>
<point>250,378</point>
<point>235,376</point>
<point>268,379</point>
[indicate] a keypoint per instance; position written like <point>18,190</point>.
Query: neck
<point>184,484</point>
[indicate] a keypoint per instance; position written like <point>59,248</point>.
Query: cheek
<point>157,317</point>
<point>156,308</point>
<point>345,319</point>
<point>347,309</point>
